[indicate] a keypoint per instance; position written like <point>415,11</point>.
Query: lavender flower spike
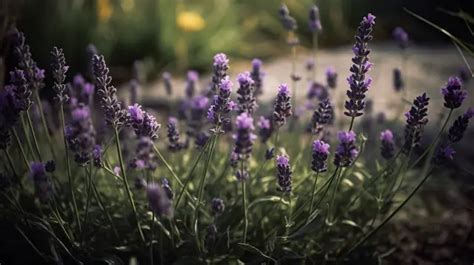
<point>244,139</point>
<point>321,116</point>
<point>20,90</point>
<point>288,22</point>
<point>331,77</point>
<point>59,74</point>
<point>346,151</point>
<point>246,100</point>
<point>192,79</point>
<point>320,155</point>
<point>401,37</point>
<point>387,149</point>
<point>456,131</point>
<point>358,82</point>
<point>114,112</point>
<point>265,129</point>
<point>416,120</point>
<point>222,104</point>
<point>282,105</point>
<point>314,22</point>
<point>80,134</point>
<point>43,185</point>
<point>398,83</point>
<point>220,65</point>
<point>453,93</point>
<point>158,201</point>
<point>284,173</point>
<point>257,76</point>
<point>173,135</point>
<point>218,206</point>
<point>142,122</point>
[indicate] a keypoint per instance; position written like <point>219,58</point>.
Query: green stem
<point>22,151</point>
<point>244,208</point>
<point>10,162</point>
<point>290,213</point>
<point>333,196</point>
<point>45,125</point>
<point>351,124</point>
<point>312,196</point>
<point>32,131</point>
<point>89,193</point>
<point>315,50</point>
<point>104,209</point>
<point>24,126</point>
<point>327,188</point>
<point>68,168</point>
<point>152,227</point>
<point>127,186</point>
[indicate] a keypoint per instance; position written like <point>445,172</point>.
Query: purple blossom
<point>167,83</point>
<point>456,131</point>
<point>42,183</point>
<point>246,99</point>
<point>444,155</point>
<point>80,134</point>
<point>115,114</point>
<point>453,93</point>
<point>244,139</point>
<point>465,74</point>
<point>221,66</point>
<point>97,155</point>
<point>416,120</point>
<point>282,105</point>
<point>265,129</point>
<point>331,77</point>
<point>346,151</point>
<point>317,90</point>
<point>269,153</point>
<point>158,201</point>
<point>398,83</point>
<point>173,135</point>
<point>192,79</point>
<point>144,156</point>
<point>401,37</point>
<point>358,82</point>
<point>20,90</point>
<point>288,22</point>
<point>217,206</point>
<point>257,76</point>
<point>60,69</point>
<point>143,123</point>
<point>165,184</point>
<point>322,116</point>
<point>314,21</point>
<point>283,173</point>
<point>320,155</point>
<point>222,104</point>
<point>387,149</point>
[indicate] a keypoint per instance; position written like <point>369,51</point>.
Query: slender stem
<point>315,51</point>
<point>290,213</point>
<point>10,162</point>
<point>327,188</point>
<point>293,75</point>
<point>104,209</point>
<point>152,227</point>
<point>333,197</point>
<point>127,186</point>
<point>45,125</point>
<point>312,195</point>
<point>89,193</point>
<point>24,126</point>
<point>32,130</point>
<point>22,151</point>
<point>68,168</point>
<point>351,124</point>
<point>244,208</point>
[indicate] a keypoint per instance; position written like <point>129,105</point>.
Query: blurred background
<point>180,34</point>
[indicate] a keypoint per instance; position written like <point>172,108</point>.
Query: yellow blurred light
<point>190,21</point>
<point>127,5</point>
<point>104,10</point>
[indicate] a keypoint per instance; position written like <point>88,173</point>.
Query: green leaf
<point>255,250</point>
<point>268,199</point>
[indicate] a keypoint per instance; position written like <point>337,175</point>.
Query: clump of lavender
<point>80,134</point>
<point>167,83</point>
<point>42,183</point>
<point>173,135</point>
<point>346,151</point>
<point>115,114</point>
<point>358,82</point>
<point>257,76</point>
<point>398,83</point>
<point>246,100</point>
<point>158,201</point>
<point>217,206</point>
<point>321,116</point>
<point>331,77</point>
<point>284,173</point>
<point>20,90</point>
<point>453,93</point>
<point>314,21</point>
<point>387,149</point>
<point>59,74</point>
<point>221,66</point>
<point>320,155</point>
<point>456,131</point>
<point>244,139</point>
<point>191,81</point>
<point>416,120</point>
<point>288,22</point>
<point>401,37</point>
<point>265,129</point>
<point>144,156</point>
<point>222,104</point>
<point>143,123</point>
<point>282,106</point>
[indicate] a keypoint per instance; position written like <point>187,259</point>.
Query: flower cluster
<point>257,76</point>
<point>331,77</point>
<point>346,151</point>
<point>42,183</point>
<point>401,37</point>
<point>173,135</point>
<point>246,100</point>
<point>453,93</point>
<point>217,206</point>
<point>81,90</point>
<point>358,82</point>
<point>456,131</point>
<point>416,120</point>
<point>144,156</point>
<point>221,66</point>
<point>323,115</point>
<point>387,149</point>
<point>244,139</point>
<point>143,123</point>
<point>80,134</point>
<point>282,106</point>
<point>320,155</point>
<point>265,129</point>
<point>21,90</point>
<point>191,81</point>
<point>114,112</point>
<point>222,104</point>
<point>314,21</point>
<point>59,74</point>
<point>288,22</point>
<point>158,201</point>
<point>284,173</point>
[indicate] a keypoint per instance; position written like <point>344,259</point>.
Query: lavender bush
<point>239,186</point>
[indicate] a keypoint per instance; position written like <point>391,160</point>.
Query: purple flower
<point>97,155</point>
<point>222,104</point>
<point>283,173</point>
<point>257,76</point>
<point>288,22</point>
<point>358,82</point>
<point>401,37</point>
<point>32,72</point>
<point>158,201</point>
<point>317,90</point>
<point>144,156</point>
<point>320,155</point>
<point>220,65</point>
<point>217,206</point>
<point>201,139</point>
<point>453,93</point>
<point>465,74</point>
<point>192,79</point>
<point>416,120</point>
<point>173,135</point>
<point>165,184</point>
<point>167,83</point>
<point>42,183</point>
<point>80,134</point>
<point>456,131</point>
<point>331,77</point>
<point>265,129</point>
<point>282,105</point>
<point>322,116</point>
<point>20,90</point>
<point>443,155</point>
<point>398,83</point>
<point>114,112</point>
<point>387,149</point>
<point>246,99</point>
<point>346,151</point>
<point>314,21</point>
<point>244,139</point>
<point>60,69</point>
<point>143,123</point>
